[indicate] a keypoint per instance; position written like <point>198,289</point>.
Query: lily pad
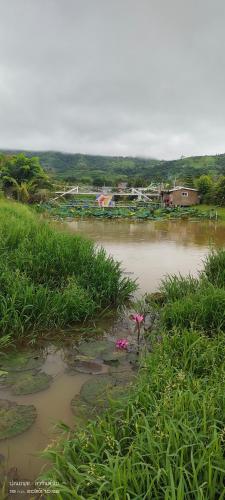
<point>115,356</point>
<point>25,382</point>
<point>116,393</point>
<point>29,383</point>
<point>90,367</point>
<point>122,377</point>
<point>14,418</point>
<point>93,390</point>
<point>81,409</point>
<point>95,349</point>
<point>20,361</point>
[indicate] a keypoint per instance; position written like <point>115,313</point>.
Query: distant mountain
<point>110,169</point>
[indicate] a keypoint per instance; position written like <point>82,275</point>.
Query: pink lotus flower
<point>139,318</point>
<point>122,344</point>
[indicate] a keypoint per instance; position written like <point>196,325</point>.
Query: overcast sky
<point>117,77</point>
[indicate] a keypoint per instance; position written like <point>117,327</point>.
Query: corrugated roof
<point>177,188</point>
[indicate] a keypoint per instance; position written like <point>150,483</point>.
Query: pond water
<point>148,251</point>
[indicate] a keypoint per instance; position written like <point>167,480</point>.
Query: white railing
<point>73,190</point>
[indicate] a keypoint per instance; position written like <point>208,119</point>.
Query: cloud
<point>139,78</point>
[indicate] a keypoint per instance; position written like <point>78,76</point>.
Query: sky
<point>113,77</point>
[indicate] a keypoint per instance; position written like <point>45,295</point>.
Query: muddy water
<point>53,405</point>
<point>150,250</point>
<point>147,250</point>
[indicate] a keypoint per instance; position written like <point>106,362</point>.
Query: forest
<point>109,170</point>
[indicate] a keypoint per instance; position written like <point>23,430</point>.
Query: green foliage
<point>197,303</point>
<point>219,191</point>
<point>207,172</point>
<point>87,208</point>
<point>177,287</point>
<point>165,441</point>
<point>112,170</point>
<point>214,268</point>
<point>21,176</point>
<point>202,309</point>
<point>204,184</point>
<point>50,278</point>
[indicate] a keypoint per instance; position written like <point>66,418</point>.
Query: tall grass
<point>165,442</point>
<point>49,278</point>
<point>197,302</point>
<point>214,268</point>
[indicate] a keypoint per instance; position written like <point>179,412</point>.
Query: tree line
<point>23,178</point>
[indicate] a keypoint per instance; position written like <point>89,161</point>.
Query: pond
<point>148,251</point>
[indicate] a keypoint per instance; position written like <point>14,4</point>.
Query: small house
<point>180,196</point>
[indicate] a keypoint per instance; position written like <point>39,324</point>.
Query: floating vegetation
<point>96,348</point>
<point>95,389</point>
<point>29,383</point>
<point>81,410</point>
<point>21,361</point>
<point>86,366</point>
<point>14,418</point>
<point>96,394</point>
<point>102,349</point>
<point>134,211</point>
<point>26,382</point>
<point>115,356</point>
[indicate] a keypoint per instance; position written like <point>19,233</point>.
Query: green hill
<point>110,169</point>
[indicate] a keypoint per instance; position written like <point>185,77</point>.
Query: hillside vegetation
<point>110,170</point>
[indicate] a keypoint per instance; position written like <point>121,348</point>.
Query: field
<point>49,278</point>
<point>166,440</point>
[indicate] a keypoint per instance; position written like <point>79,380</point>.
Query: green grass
<point>50,278</point>
<point>165,442</point>
<point>167,439</point>
<point>210,210</point>
<point>197,302</point>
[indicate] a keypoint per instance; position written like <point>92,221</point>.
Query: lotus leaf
<point>14,418</point>
<point>95,389</point>
<point>20,361</point>
<point>96,348</point>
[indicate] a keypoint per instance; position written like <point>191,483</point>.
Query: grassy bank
<point>211,210</point>
<point>49,278</point>
<point>167,440</point>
